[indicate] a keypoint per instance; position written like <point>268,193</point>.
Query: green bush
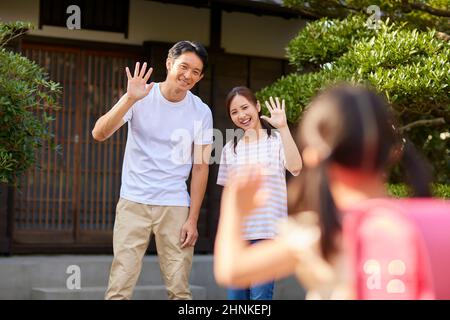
<point>26,98</point>
<point>410,67</point>
<point>442,191</point>
<point>323,40</point>
<point>398,190</point>
<point>401,190</point>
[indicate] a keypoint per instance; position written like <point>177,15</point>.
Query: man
<point>153,196</point>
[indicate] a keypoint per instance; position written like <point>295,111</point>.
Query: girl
<point>348,142</point>
<point>275,151</point>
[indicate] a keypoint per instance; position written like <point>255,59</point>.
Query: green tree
<point>409,66</point>
<point>419,13</point>
<point>26,98</point>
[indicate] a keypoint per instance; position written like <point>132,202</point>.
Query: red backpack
<point>387,252</point>
<point>432,217</point>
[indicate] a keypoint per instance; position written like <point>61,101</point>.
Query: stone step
<point>19,274</point>
<point>143,292</point>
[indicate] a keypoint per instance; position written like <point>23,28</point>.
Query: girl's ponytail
<point>329,216</point>
<point>416,170</point>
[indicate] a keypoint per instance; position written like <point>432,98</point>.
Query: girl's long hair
<point>353,127</point>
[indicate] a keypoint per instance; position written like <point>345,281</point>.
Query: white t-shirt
<point>158,153</point>
<point>268,152</point>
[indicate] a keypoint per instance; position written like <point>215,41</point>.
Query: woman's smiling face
<point>244,114</point>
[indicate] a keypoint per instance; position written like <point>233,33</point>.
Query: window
<point>102,15</point>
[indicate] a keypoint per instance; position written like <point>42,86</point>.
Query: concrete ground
<point>78,277</point>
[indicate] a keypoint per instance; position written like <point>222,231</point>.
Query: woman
<point>276,152</point>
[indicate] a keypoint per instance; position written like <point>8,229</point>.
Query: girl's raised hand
<point>277,113</point>
<point>243,192</point>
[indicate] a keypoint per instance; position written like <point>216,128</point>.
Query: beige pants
<point>134,225</point>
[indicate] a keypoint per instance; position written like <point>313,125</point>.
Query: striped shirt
<point>267,152</point>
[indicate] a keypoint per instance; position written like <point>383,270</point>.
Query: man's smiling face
<point>185,71</point>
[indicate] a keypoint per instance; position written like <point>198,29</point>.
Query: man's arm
<point>137,88</point>
<point>110,122</point>
<point>199,180</point>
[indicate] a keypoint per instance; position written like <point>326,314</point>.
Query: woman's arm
<point>278,120</point>
<point>291,154</point>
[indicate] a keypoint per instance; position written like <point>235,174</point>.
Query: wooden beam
<point>215,29</point>
<point>246,6</point>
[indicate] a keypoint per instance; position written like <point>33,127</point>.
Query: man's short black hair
<point>189,46</point>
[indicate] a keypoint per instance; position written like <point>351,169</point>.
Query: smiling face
<point>244,114</point>
<point>184,71</point>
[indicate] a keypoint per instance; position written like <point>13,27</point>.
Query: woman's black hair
<point>250,96</point>
<point>351,126</point>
